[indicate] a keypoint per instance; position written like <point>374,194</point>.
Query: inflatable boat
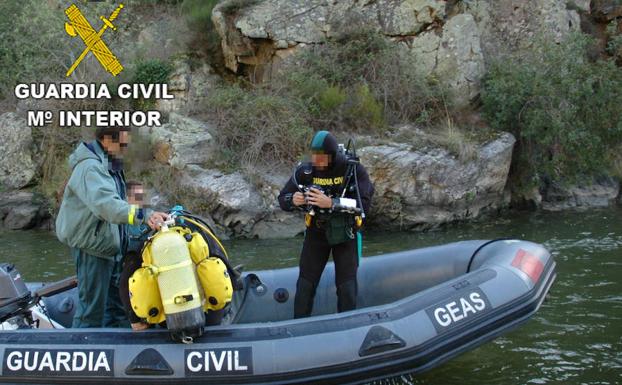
<point>416,309</point>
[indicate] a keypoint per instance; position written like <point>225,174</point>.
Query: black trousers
<point>313,259</point>
<point>131,263</point>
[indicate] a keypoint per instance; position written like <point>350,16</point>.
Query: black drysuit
<point>316,248</point>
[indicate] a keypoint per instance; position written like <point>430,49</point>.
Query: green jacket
<point>93,205</point>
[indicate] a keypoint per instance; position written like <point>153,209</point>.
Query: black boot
<point>303,302</point>
<point>346,296</point>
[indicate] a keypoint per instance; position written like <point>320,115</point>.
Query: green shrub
<point>359,80</point>
<point>205,40</point>
<point>152,71</point>
<point>565,110</point>
<point>32,43</point>
<point>54,145</point>
<point>614,46</point>
<point>199,12</point>
<point>258,127</point>
<point>615,160</point>
<point>353,55</point>
<point>614,43</point>
<point>356,81</point>
<point>306,86</point>
<point>332,98</point>
<point>365,113</point>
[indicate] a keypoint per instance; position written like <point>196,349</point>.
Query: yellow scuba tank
<point>181,300</point>
<point>180,279</point>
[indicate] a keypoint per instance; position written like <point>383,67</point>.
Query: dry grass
<point>258,127</point>
<point>456,141</point>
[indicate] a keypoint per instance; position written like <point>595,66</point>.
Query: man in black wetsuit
<point>328,229</point>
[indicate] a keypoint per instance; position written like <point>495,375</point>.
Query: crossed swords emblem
<point>79,25</point>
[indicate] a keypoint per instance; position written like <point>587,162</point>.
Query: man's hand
<point>317,198</point>
<point>298,199</point>
<point>156,219</point>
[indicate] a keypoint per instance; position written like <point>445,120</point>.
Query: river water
<point>575,338</point>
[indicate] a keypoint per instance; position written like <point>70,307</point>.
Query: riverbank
<point>414,191</point>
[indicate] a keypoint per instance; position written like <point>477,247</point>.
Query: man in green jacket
<point>92,221</point>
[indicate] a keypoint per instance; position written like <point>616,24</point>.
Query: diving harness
<point>341,204</point>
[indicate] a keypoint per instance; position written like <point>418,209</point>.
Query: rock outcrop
<point>238,207</point>
<point>261,36</point>
<point>451,40</point>
<point>599,193</point>
<point>415,188</point>
<point>454,55</point>
<point>17,167</point>
<point>422,188</point>
<point>190,88</point>
<point>22,210</point>
<point>182,141</point>
<point>511,24</point>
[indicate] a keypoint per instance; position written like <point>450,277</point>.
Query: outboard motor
<point>15,298</point>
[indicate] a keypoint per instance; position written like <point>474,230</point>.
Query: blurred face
<point>116,146</point>
<point>320,160</point>
<point>136,195</point>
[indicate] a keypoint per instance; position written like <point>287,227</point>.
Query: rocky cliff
<point>418,188</point>
<point>452,39</point>
<point>417,185</point>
